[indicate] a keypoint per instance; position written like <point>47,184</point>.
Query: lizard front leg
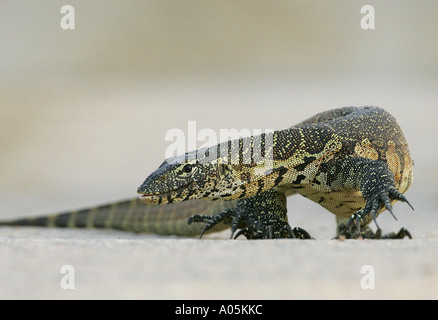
<point>376,182</point>
<point>263,216</point>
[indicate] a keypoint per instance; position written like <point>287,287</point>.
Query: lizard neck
<point>254,165</point>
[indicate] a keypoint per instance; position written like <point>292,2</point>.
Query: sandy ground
<point>110,265</point>
<point>84,114</point>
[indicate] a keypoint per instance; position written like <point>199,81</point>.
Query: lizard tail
<point>133,216</point>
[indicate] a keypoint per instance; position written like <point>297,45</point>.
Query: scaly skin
<point>354,162</point>
<point>134,216</point>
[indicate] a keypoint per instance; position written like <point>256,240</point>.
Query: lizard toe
<point>373,205</point>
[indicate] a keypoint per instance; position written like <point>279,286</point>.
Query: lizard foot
<point>263,216</point>
<point>286,232</point>
<point>251,225</point>
<point>345,232</point>
<point>300,233</point>
<point>372,207</point>
<point>399,235</point>
<point>367,233</point>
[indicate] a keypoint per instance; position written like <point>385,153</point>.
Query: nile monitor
<point>353,161</point>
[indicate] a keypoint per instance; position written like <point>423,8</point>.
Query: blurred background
<point>83,112</point>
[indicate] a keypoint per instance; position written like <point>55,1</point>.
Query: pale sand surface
<point>83,116</point>
<point>110,265</point>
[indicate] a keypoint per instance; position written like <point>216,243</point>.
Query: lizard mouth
<point>176,195</point>
<point>157,198</point>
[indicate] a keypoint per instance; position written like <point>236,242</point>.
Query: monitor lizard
<point>353,161</point>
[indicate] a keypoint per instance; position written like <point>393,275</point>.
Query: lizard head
<point>186,177</point>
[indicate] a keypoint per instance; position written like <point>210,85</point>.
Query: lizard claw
<point>210,222</point>
<point>397,195</point>
<point>372,207</point>
<point>240,232</point>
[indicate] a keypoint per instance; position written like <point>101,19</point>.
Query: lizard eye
<point>187,168</point>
